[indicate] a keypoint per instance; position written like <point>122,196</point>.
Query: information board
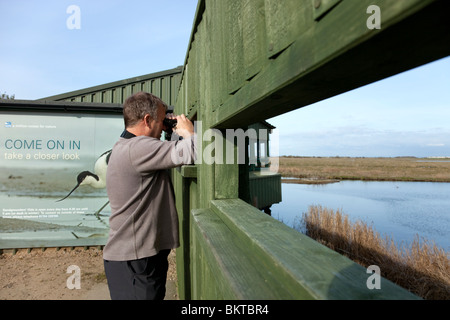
<point>43,157</point>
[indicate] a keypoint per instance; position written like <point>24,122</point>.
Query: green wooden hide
<point>250,60</point>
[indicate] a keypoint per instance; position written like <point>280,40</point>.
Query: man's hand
<point>184,127</point>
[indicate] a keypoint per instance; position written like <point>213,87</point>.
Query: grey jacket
<point>143,215</point>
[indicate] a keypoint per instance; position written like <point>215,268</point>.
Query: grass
<point>422,268</point>
<point>316,169</point>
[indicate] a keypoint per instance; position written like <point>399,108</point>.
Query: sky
<point>118,39</point>
<point>40,56</point>
<point>403,115</point>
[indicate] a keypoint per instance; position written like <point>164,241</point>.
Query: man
<point>144,221</point>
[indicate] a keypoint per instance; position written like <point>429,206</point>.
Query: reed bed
<point>422,267</point>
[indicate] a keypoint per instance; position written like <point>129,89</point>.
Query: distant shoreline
<point>322,170</point>
<point>307,180</point>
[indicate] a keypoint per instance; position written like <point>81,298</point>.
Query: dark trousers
<point>142,279</point>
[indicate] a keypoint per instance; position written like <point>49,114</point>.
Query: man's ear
<point>147,120</point>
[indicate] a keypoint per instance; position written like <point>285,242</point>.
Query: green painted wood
<point>285,21</point>
<point>192,93</point>
<point>218,65</point>
<point>223,177</point>
<point>182,254</point>
<point>322,7</point>
<point>164,84</point>
<point>265,189</point>
<point>248,61</point>
<point>188,171</point>
<point>326,59</point>
<point>253,37</point>
<point>226,269</point>
<point>185,186</point>
<point>235,45</point>
<point>226,175</point>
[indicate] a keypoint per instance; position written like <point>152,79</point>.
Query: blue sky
<point>118,39</point>
<point>404,115</point>
<point>407,114</point>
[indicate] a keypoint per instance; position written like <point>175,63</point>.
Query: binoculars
<point>170,123</point>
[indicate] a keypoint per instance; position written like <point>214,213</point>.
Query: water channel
<point>401,210</point>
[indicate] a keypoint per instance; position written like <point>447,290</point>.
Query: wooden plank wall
<point>250,60</point>
<point>163,84</point>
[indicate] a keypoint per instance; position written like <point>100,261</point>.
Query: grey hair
<point>138,105</point>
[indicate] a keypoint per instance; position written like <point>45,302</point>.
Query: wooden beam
<point>240,253</point>
<point>339,53</point>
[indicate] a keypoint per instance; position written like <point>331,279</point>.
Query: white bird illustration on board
<point>96,180</point>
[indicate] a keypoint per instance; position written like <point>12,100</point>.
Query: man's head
<point>144,114</point>
<point>137,106</point>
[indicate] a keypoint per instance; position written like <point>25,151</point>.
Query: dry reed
<point>422,268</point>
